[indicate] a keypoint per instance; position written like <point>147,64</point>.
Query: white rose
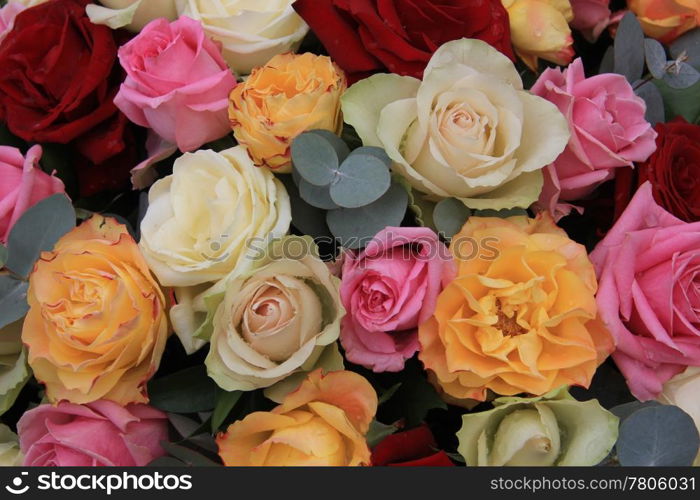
<point>201,219</point>
<point>682,391</point>
<point>135,19</point>
<point>251,32</point>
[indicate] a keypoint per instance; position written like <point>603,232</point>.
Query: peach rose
<point>666,20</point>
<point>323,422</point>
<point>519,318</point>
<point>290,94</point>
<point>96,327</point>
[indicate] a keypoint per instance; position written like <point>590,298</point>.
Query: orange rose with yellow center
<point>519,318</point>
<point>289,95</point>
<point>96,327</point>
<point>323,422</point>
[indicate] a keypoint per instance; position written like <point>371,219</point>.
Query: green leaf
<point>187,455</point>
<point>314,158</point>
<point>186,427</point>
<point>389,393</point>
<point>38,230</point>
<point>225,401</point>
<point>166,462</point>
<point>3,256</point>
<point>661,435</point>
<point>449,216</point>
<point>361,180</point>
<point>378,431</point>
<point>629,48</point>
<point>13,299</point>
<point>355,227</point>
<point>681,76</point>
<point>655,56</point>
<point>187,391</point>
<point>681,102</point>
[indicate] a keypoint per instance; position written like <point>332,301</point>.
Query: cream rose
<point>280,319</point>
<point>201,218</point>
<point>251,32</point>
<point>682,391</point>
<point>10,454</point>
<point>468,130</point>
<point>131,14</point>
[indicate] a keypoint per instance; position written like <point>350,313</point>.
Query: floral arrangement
<point>349,233</point>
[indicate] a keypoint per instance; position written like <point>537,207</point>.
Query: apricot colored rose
<point>290,94</point>
<point>666,20</point>
<point>96,327</point>
<point>520,317</point>
<point>323,422</point>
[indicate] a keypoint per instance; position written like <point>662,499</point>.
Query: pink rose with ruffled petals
<point>177,83</point>
<point>101,433</point>
<point>591,17</point>
<point>648,268</point>
<point>22,185</point>
<point>387,290</point>
<point>7,17</point>
<point>608,130</point>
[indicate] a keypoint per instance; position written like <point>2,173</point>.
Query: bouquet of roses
<point>349,232</point>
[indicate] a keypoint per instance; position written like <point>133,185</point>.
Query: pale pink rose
<point>608,130</point>
<point>177,83</point>
<point>7,17</point>
<point>387,290</point>
<point>22,185</point>
<point>100,433</point>
<point>591,17</point>
<point>648,268</point>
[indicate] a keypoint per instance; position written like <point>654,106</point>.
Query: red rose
<point>59,78</point>
<point>414,448</point>
<point>399,36</point>
<point>673,170</point>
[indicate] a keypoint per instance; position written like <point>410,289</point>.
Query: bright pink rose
<point>387,290</point>
<point>177,83</point>
<point>7,17</point>
<point>101,433</point>
<point>608,130</point>
<point>648,267</point>
<point>22,185</point>
<point>591,17</point>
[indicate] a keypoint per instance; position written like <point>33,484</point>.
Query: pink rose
<point>177,83</point>
<point>591,17</point>
<point>387,290</point>
<point>608,130</point>
<point>101,433</point>
<point>7,17</point>
<point>22,185</point>
<point>648,267</point>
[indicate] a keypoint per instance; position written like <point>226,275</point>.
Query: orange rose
<point>96,327</point>
<point>666,20</point>
<point>290,94</point>
<point>520,318</point>
<point>323,422</point>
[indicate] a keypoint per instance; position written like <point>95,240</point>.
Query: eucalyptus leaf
<point>661,435</point>
<point>450,215</point>
<point>361,180</point>
<point>689,44</point>
<point>503,213</point>
<point>629,48</point>
<point>186,427</point>
<point>187,391</point>
<point>38,230</point>
<point>607,64</point>
<point>187,455</point>
<point>654,100</point>
<point>342,150</point>
<point>625,410</point>
<point>13,299</point>
<point>314,158</point>
<point>378,431</point>
<point>225,401</point>
<point>355,227</point>
<point>374,151</point>
<point>681,76</point>
<point>3,256</point>
<point>305,217</point>
<point>316,196</point>
<point>655,56</point>
<point>166,462</point>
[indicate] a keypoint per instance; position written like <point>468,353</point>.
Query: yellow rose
<point>290,94</point>
<point>277,322</point>
<point>467,131</point>
<point>96,326</point>
<point>520,317</point>
<point>200,219</point>
<point>251,32</point>
<point>540,28</point>
<point>322,423</point>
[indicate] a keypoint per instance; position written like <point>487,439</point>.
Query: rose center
<point>508,325</point>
